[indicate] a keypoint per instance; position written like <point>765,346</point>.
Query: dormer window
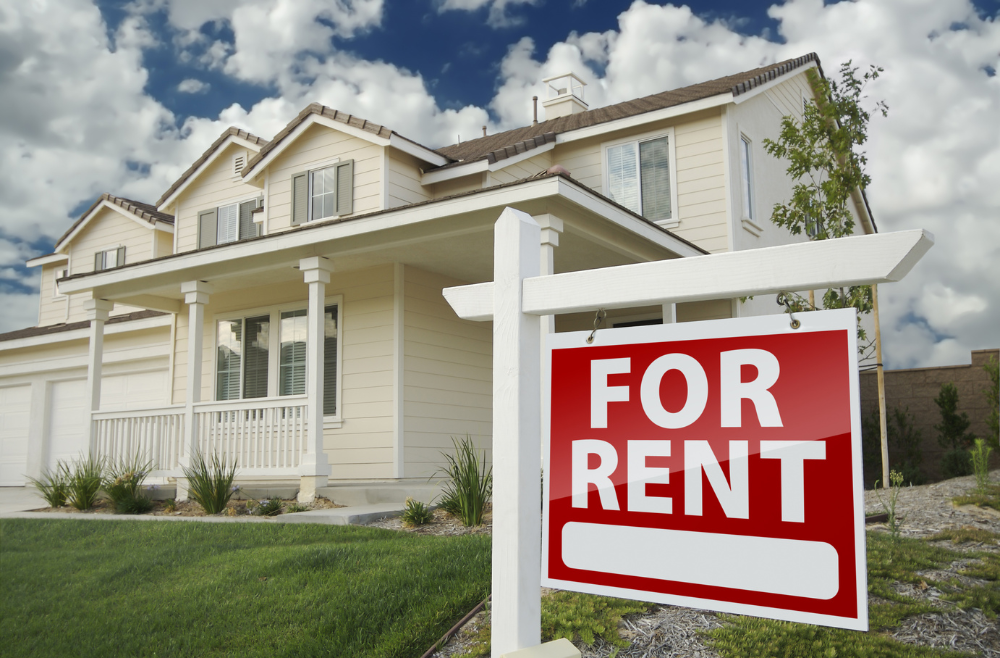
<point>323,193</point>
<point>109,259</point>
<point>639,176</point>
<point>228,223</point>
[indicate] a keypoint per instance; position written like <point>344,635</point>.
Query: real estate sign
<point>711,464</point>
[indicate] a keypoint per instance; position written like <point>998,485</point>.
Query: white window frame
<point>668,132</point>
<point>104,256</point>
<point>748,215</point>
<point>55,278</point>
<point>274,352</point>
<point>317,166</point>
<point>238,202</point>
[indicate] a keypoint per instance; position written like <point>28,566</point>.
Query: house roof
<point>336,115</point>
<point>528,136</point>
<point>59,328</point>
<point>143,211</point>
<point>229,132</point>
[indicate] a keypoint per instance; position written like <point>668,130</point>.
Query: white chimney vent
<point>563,96</point>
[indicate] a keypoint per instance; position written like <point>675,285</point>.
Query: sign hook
<point>783,300</point>
<point>598,320</point>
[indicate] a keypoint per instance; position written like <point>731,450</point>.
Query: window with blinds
<point>330,329</point>
<point>639,177</point>
<point>234,222</point>
<point>257,333</point>
<point>229,341</point>
<point>292,359</point>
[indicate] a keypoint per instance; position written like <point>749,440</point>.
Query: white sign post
<point>518,296</point>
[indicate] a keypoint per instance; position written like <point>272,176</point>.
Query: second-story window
<point>746,176</point>
<point>59,274</point>
<point>227,223</point>
<point>109,259</point>
<point>639,177</point>
<point>323,192</point>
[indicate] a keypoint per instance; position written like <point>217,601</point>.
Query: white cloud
<point>498,15</point>
<point>192,86</point>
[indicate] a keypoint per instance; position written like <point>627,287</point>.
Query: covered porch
<point>400,375</point>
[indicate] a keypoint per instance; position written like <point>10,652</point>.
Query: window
<point>227,223</point>
<point>59,274</point>
<point>746,176</point>
<point>639,177</point>
<point>109,259</point>
<point>323,193</point>
<point>247,354</point>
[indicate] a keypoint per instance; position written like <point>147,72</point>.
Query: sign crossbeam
<point>856,260</point>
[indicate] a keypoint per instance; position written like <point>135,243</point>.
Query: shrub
<point>267,507</point>
<point>123,484</point>
<point>170,506</point>
<point>86,476</point>
<point>294,508</point>
<point>903,440</point>
<point>469,485</point>
<point>211,484</point>
<point>416,513</point>
<point>955,463</point>
<point>992,393</point>
<point>951,431</point>
<point>980,458</point>
<point>586,616</point>
<point>54,485</point>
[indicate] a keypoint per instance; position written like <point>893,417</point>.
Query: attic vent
<point>239,162</point>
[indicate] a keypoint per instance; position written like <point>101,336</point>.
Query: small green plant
<point>956,463</point>
<point>573,615</point>
<point>416,513</point>
<point>470,484</point>
<point>170,506</point>
<point>295,508</point>
<point>123,485</point>
<point>896,482</point>
<point>966,534</point>
<point>54,485</point>
<point>84,482</point>
<point>267,507</point>
<point>980,457</point>
<point>211,483</point>
<point>992,394</point>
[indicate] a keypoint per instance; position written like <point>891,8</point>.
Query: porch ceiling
<point>453,237</point>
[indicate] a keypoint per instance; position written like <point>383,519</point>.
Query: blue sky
<point>122,96</point>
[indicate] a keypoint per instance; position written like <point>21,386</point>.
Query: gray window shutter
<point>247,227</point>
<point>121,256</point>
<point>345,188</point>
<point>300,197</point>
<point>98,261</point>
<point>208,228</point>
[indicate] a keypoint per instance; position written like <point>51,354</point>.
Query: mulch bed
<point>187,508</point>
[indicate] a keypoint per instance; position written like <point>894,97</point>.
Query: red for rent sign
<point>713,464</point>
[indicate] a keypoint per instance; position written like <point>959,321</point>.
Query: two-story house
<point>281,302</point>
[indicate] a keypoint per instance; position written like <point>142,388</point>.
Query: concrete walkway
<point>15,503</point>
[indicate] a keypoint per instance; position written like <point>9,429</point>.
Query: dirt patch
<point>442,524</point>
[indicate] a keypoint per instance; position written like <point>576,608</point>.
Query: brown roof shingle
<point>141,210</point>
<point>231,131</point>
<point>60,328</point>
<point>739,83</point>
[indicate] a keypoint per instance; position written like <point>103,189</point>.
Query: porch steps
<point>356,494</point>
<point>354,515</point>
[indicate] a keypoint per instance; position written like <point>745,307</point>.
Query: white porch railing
<point>156,435</point>
<point>267,436</point>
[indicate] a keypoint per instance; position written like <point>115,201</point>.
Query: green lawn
<point>127,588</point>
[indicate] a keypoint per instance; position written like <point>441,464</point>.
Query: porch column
<point>551,227</point>
<point>97,312</point>
<point>314,468</point>
<point>196,295</point>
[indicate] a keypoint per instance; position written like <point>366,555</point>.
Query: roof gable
<point>230,136</point>
<point>143,213</point>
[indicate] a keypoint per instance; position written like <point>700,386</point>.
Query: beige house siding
<point>164,244</point>
<point>51,309</point>
<point>448,380</point>
<point>362,448</point>
<point>317,146</point>
<point>404,180</point>
<point>214,187</point>
<point>522,169</point>
<point>458,185</point>
<point>123,352</point>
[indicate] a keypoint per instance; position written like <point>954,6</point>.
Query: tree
<point>952,433</point>
<point>826,161</point>
<point>992,393</point>
<point>904,444</point>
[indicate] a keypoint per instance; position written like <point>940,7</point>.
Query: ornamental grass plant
<point>54,485</point>
<point>416,513</point>
<point>469,485</point>
<point>85,479</point>
<point>210,483</point>
<point>123,484</point>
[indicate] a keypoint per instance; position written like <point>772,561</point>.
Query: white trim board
<point>84,333</point>
<point>93,213</point>
<point>231,139</point>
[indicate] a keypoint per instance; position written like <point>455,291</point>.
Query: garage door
<point>137,390</point>
<point>68,420</point>
<point>15,412</point>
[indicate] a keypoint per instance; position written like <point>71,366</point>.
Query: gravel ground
<point>667,631</point>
